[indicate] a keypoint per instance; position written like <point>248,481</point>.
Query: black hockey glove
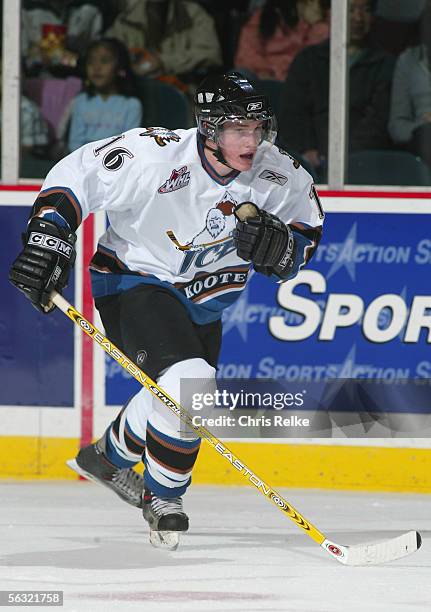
<point>45,262</point>
<point>265,240</point>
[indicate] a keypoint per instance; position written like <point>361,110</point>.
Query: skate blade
<point>73,464</point>
<point>165,540</point>
<point>75,467</point>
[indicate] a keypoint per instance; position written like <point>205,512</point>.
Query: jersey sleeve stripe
<point>64,201</point>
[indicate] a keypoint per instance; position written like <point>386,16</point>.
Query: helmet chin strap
<point>218,154</point>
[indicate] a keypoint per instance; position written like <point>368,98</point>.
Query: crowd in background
<point>94,68</point>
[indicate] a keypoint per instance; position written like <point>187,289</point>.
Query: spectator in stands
<point>274,34</point>
<point>228,16</point>
<point>108,105</point>
<point>55,32</point>
<point>305,97</point>
<point>168,37</point>
<point>33,128</point>
<point>395,24</point>
<point>410,114</point>
<point>400,10</point>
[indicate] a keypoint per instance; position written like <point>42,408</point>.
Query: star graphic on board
<point>348,366</point>
<point>345,258</point>
<point>235,316</point>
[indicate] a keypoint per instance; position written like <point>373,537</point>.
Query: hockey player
<point>191,213</point>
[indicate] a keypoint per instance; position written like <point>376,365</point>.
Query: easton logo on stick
<point>86,327</point>
<point>83,324</point>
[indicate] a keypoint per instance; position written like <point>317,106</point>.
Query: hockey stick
<point>360,554</point>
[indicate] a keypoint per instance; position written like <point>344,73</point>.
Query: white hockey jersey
<point>171,215</point>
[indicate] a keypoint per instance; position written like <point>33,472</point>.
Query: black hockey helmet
<point>231,97</point>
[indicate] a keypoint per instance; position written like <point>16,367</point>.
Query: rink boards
<point>375,258</point>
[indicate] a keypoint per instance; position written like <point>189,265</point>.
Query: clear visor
<point>239,130</point>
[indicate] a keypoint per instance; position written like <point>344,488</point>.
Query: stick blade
<point>375,554</point>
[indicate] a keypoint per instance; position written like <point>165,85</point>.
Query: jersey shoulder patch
<point>160,135</point>
<point>295,163</point>
<point>159,144</point>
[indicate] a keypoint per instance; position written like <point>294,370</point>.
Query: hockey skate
<point>166,519</point>
<point>92,463</point>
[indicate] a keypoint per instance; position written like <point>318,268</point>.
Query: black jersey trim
<point>62,200</point>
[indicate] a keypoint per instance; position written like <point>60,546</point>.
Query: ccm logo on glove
<point>45,262</point>
<point>49,242</point>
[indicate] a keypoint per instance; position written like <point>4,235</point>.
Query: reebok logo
<point>274,177</point>
<point>254,106</point>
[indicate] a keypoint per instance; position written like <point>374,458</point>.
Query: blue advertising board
<point>361,309</point>
<point>36,351</point>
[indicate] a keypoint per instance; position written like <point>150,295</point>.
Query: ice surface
<point>240,554</point>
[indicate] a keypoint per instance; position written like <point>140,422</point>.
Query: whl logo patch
<point>178,179</point>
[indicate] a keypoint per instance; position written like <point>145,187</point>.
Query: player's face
<point>239,141</point>
<point>102,69</point>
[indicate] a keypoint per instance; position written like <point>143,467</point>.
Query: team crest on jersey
<point>214,241</point>
<point>219,220</point>
<point>161,135</point>
<point>178,179</point>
